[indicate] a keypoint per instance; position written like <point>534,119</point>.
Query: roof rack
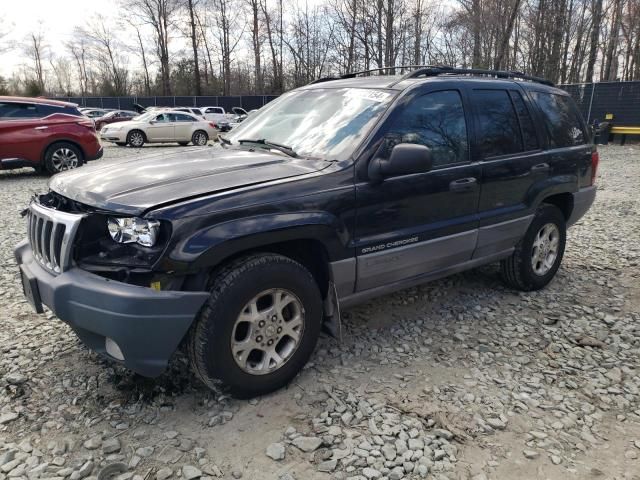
<point>434,71</point>
<point>437,70</point>
<point>364,72</point>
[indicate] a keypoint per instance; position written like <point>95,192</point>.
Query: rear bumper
<point>97,155</point>
<point>146,325</point>
<point>582,201</point>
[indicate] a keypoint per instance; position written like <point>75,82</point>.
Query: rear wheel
<point>199,138</point>
<point>537,257</point>
<point>259,326</point>
<point>62,156</point>
<point>136,138</point>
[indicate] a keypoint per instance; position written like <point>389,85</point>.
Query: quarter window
<point>498,127</point>
<point>435,120</point>
<point>562,120</point>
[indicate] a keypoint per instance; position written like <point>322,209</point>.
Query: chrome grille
<point>51,233</point>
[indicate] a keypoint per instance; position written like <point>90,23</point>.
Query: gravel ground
<point>458,379</point>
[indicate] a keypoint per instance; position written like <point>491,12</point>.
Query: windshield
<point>326,123</point>
<point>146,116</point>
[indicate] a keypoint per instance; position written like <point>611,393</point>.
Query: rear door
<point>510,151</point>
<point>183,126</point>
<point>22,132</point>
<point>161,128</point>
<point>419,223</point>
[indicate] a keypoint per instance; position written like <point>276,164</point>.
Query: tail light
<point>595,160</point>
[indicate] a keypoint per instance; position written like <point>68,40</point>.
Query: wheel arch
<point>62,140</point>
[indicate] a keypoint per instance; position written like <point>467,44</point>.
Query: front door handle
<point>541,167</point>
<point>463,184</point>
<point>40,128</point>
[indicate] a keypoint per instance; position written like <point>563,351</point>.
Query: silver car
<point>160,127</point>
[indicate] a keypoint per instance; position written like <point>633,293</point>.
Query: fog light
<point>113,349</point>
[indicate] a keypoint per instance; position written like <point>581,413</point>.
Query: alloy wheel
<point>267,331</point>
<point>64,159</point>
<point>545,249</point>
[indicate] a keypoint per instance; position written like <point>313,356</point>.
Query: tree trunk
<point>595,36</point>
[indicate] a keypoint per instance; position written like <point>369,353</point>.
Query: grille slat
<point>51,234</point>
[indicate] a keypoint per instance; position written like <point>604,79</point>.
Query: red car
<point>45,134</point>
<point>114,117</point>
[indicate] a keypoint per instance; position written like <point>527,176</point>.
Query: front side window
<point>326,123</point>
<point>163,118</point>
<point>18,110</point>
<point>562,120</point>
<point>497,124</point>
<point>435,120</point>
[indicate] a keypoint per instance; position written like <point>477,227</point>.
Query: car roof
<point>397,83</point>
<point>38,100</point>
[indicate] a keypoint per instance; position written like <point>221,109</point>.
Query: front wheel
<point>538,255</point>
<point>136,138</point>
<point>259,326</point>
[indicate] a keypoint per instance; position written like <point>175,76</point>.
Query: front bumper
<point>108,135</point>
<point>147,325</point>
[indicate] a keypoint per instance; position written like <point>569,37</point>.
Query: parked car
<point>160,127</point>
<point>218,116</point>
<point>332,194</point>
<point>192,110</point>
<point>94,112</point>
<point>114,117</point>
<point>45,134</point>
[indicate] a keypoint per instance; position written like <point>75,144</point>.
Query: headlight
<point>134,230</point>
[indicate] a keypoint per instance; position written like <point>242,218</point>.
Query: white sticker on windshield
<point>374,95</point>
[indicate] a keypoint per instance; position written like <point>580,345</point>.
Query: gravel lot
<point>458,379</point>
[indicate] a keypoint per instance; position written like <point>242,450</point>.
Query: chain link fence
<point>598,101</point>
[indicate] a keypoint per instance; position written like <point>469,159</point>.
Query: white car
<point>160,127</point>
<point>218,116</point>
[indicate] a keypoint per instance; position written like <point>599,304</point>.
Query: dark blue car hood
<point>138,184</point>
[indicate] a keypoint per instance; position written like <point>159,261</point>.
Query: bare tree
<point>160,15</point>
<point>37,50</point>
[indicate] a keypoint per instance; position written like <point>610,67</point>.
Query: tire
<point>62,156</point>
<point>136,138</point>
<point>121,144</point>
<point>200,138</point>
<point>220,329</point>
<point>183,144</point>
<point>532,267</point>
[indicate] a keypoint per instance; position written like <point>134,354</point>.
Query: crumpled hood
<point>137,184</point>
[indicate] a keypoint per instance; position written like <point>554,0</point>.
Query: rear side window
<point>18,110</point>
<point>435,120</point>
<point>561,119</point>
<point>529,138</point>
<point>498,127</point>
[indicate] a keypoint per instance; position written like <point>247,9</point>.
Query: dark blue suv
<point>336,192</point>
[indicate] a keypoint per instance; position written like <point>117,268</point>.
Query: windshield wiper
<point>276,146</point>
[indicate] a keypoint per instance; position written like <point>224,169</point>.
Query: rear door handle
<point>541,167</point>
<point>463,184</point>
<point>40,128</point>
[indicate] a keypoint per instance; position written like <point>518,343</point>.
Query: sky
<point>57,18</point>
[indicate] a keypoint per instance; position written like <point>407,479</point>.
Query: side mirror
<point>152,122</point>
<point>405,159</point>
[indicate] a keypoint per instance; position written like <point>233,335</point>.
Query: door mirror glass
<point>404,159</point>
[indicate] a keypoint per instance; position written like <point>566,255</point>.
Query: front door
<point>161,128</point>
<point>420,223</point>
